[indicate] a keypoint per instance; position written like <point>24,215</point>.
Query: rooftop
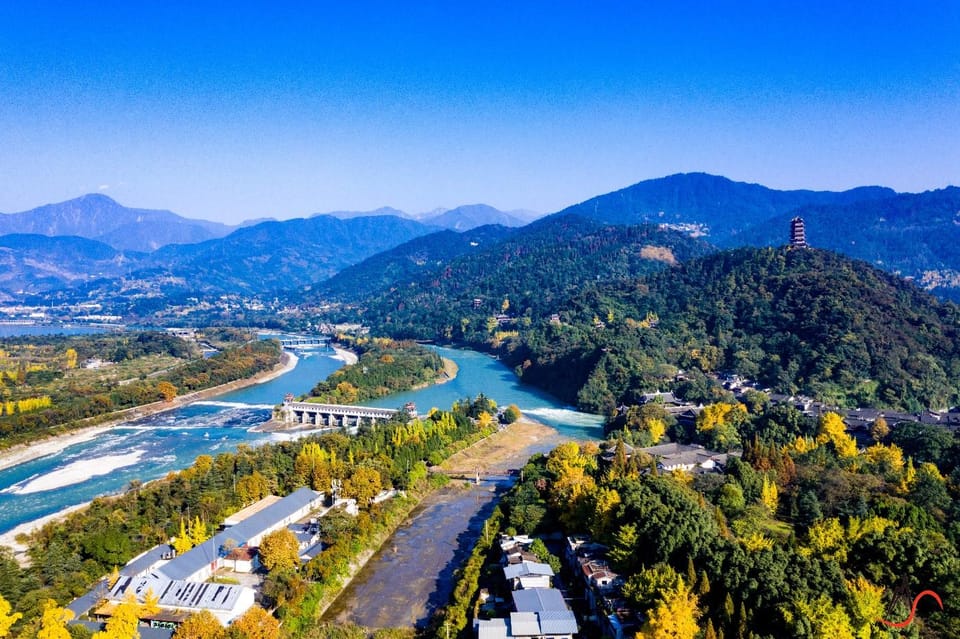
<point>174,593</point>
<point>538,600</point>
<point>251,510</point>
<point>527,568</point>
<point>187,564</point>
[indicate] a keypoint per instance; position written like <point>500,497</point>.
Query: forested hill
<point>527,276</point>
<point>407,262</point>
<point>914,234</point>
<point>795,319</point>
<point>720,206</point>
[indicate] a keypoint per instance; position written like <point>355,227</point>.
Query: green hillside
<point>915,235</point>
<point>796,320</point>
<point>407,262</point>
<point>526,277</point>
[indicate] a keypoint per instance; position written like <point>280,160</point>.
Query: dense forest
<point>910,234</point>
<point>405,263</point>
<point>796,320</point>
<point>385,366</point>
<point>68,557</point>
<point>531,274</point>
<point>49,370</point>
<point>805,536</point>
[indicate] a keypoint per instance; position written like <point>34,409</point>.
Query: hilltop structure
<point>798,235</point>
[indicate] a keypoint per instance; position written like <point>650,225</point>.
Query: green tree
<point>544,555</point>
<point>511,414</point>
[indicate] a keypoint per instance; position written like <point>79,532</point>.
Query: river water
<point>151,447</point>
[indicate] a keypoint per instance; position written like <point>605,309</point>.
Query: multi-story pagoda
<point>798,236</point>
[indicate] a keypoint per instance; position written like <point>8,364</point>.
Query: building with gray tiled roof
<point>203,559</point>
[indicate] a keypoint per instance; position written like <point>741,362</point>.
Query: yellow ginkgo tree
<point>7,618</point>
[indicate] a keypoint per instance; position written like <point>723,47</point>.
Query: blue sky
<point>235,110</point>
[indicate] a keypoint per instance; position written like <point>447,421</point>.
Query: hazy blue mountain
<point>96,216</point>
<point>915,235</point>
<point>31,263</point>
<point>349,215</point>
<point>713,206</point>
<point>408,262</point>
<point>461,218</point>
<point>526,215</point>
<point>281,255</point>
<point>469,216</point>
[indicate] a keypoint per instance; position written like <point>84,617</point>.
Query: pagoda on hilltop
<point>798,235</point>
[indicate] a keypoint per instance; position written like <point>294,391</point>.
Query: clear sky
<point>234,110</point>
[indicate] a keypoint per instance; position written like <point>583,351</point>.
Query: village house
<point>688,458</point>
<point>201,561</point>
<point>528,574</point>
<point>539,611</point>
<point>602,587</point>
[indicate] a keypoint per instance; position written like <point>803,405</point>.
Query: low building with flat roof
<point>178,599</point>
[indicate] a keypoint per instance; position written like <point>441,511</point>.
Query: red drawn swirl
<point>913,610</point>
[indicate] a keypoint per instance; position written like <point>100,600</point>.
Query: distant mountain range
<point>161,252</point>
<point>98,217</point>
<point>37,263</point>
<point>462,218</point>
<point>712,206</point>
<point>914,235</point>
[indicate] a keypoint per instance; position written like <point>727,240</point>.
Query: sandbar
<point>22,453</point>
<point>77,472</point>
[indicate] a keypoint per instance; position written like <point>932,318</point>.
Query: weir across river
<point>332,415</point>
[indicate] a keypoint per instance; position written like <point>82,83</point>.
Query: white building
<point>203,560</point>
<point>179,599</point>
<point>528,574</point>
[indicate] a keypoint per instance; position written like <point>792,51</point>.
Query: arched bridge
<point>332,415</point>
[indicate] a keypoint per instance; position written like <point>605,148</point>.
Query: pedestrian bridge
<point>332,415</point>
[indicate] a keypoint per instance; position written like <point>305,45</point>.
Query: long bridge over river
<point>332,415</point>
<point>304,341</point>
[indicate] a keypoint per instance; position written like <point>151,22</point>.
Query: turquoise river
<point>151,447</point>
